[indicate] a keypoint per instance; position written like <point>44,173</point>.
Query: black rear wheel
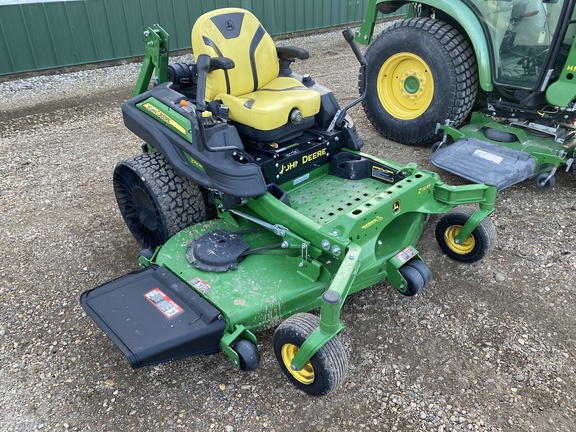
<point>154,201</point>
<point>420,72</point>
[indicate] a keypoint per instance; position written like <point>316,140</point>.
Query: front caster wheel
<point>475,247</point>
<point>543,182</point>
<point>325,371</point>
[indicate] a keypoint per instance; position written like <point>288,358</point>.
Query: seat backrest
<point>237,34</point>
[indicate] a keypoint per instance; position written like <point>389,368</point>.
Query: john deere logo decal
<point>396,206</point>
<point>229,25</point>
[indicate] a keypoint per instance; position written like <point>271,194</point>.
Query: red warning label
<point>405,254</point>
<point>163,303</point>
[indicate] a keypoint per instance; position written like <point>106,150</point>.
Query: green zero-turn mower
<point>255,206</point>
<point>512,63</point>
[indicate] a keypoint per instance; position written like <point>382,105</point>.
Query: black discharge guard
<point>481,162</point>
<point>216,251</point>
<point>154,317</point>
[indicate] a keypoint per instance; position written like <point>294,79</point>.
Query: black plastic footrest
<point>153,317</point>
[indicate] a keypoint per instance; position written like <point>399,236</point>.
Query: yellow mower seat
<point>254,93</point>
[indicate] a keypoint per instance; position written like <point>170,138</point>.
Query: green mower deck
<point>487,150</point>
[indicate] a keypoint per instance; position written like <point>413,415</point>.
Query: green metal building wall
<point>53,34</point>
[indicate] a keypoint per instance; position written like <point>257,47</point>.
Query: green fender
<point>459,11</point>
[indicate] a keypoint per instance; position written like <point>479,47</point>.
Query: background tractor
<point>504,68</point>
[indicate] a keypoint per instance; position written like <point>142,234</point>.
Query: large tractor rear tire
<point>420,72</point>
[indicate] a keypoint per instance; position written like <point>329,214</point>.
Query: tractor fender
<point>468,20</point>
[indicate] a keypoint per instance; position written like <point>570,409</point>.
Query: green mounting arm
<point>484,195</point>
<point>365,35</point>
<point>332,301</point>
<point>156,57</point>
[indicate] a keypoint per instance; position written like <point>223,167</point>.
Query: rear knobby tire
<point>325,371</point>
<point>154,201</point>
<point>421,72</point>
<point>475,247</point>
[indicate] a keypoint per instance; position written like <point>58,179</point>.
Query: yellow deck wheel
<point>462,248</point>
<point>325,371</point>
<point>306,375</point>
<point>475,247</point>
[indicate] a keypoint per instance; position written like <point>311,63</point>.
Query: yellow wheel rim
<point>306,375</point>
<point>462,248</point>
<point>405,86</point>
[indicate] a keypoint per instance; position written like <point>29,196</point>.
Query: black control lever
<point>349,36</point>
<point>205,64</point>
<point>341,114</point>
<point>202,66</point>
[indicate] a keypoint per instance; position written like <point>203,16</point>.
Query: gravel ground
<point>486,347</point>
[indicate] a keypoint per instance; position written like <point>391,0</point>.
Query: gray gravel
<point>486,347</point>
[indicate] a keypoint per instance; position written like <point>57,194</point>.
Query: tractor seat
<point>262,105</point>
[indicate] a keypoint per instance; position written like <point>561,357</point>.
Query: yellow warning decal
<point>383,174</point>
<point>164,117</point>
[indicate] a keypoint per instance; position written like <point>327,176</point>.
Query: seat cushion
<point>237,34</point>
<point>269,107</point>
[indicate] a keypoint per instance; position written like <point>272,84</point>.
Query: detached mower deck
<point>302,222</point>
<point>505,153</point>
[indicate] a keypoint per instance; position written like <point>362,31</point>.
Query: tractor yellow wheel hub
<point>306,375</point>
<point>405,86</point>
<point>462,248</point>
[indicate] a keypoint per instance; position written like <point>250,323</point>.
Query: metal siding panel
<point>195,9</point>
<point>81,29</point>
<point>39,36</point>
<point>117,25</point>
<point>357,10</point>
<point>7,63</point>
<point>182,25</point>
<point>60,31</point>
<point>56,34</point>
<point>333,16</point>
<point>133,18</point>
<point>103,42</point>
<point>16,40</point>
